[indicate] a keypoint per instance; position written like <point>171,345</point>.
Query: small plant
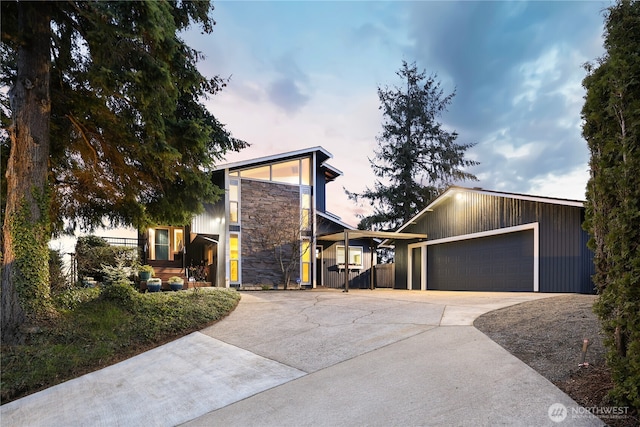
<point>119,273</point>
<point>154,284</point>
<point>265,287</point>
<point>145,272</point>
<point>176,283</point>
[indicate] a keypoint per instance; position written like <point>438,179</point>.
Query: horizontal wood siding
<point>334,278</point>
<point>565,261</point>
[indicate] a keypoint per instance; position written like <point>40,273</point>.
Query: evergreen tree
<point>611,115</point>
<point>105,121</point>
<point>416,158</point>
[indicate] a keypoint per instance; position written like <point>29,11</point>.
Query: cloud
<point>517,70</point>
<point>286,94</point>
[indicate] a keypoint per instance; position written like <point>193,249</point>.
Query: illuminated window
<point>234,255</point>
<point>305,174</point>
<point>233,201</point>
<point>286,172</point>
<point>296,172</point>
<point>306,261</point>
<point>262,172</point>
<point>178,239</point>
<point>306,208</point>
<point>355,256</point>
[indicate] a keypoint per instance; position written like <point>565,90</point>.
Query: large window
<point>297,172</point>
<point>234,256</point>
<point>286,172</point>
<point>355,256</point>
<point>263,172</point>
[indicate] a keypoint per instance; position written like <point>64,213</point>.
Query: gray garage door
<point>496,263</point>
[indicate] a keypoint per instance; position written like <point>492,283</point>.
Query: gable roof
<point>322,155</point>
<point>451,191</point>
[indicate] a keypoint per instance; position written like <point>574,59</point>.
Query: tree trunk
<point>26,223</point>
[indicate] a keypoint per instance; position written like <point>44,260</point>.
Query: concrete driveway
<point>323,357</point>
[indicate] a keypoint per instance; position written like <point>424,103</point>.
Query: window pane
<point>233,246</point>
<point>162,244</point>
<point>233,191</point>
<point>233,211</point>
<point>233,274</point>
<point>306,171</point>
<point>306,200</point>
<point>286,172</point>
<point>306,251</point>
<point>355,255</point>
<point>178,242</point>
<point>306,273</point>
<point>257,173</point>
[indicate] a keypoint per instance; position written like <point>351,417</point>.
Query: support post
<point>346,261</point>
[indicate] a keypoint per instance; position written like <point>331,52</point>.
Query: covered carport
<point>371,237</point>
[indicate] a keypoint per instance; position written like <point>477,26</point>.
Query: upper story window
<point>263,172</point>
<point>297,172</point>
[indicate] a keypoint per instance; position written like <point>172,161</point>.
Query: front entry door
<point>162,244</point>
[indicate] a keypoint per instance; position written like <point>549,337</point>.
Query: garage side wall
<point>565,263</point>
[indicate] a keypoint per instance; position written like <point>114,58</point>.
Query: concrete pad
<point>445,376</point>
<point>166,386</point>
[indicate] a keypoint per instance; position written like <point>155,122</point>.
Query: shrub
<point>92,252</point>
<point>57,280</point>
<point>71,298</point>
<point>120,293</point>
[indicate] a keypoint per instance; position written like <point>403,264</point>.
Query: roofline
<point>336,171</point>
<point>335,220</point>
<point>454,188</point>
<point>275,157</point>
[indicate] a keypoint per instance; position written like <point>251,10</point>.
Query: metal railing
<point>130,242</point>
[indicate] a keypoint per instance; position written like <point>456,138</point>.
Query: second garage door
<point>497,263</point>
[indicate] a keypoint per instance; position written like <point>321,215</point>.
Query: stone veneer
<point>263,199</point>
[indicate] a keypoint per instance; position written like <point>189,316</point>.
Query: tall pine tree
<point>611,115</point>
<point>105,121</point>
<point>416,158</point>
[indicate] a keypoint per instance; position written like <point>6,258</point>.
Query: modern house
<point>267,201</point>
<point>480,240</point>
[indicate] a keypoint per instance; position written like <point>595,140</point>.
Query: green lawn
<point>97,328</point>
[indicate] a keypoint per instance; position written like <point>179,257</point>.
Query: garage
<point>496,263</point>
<point>483,240</point>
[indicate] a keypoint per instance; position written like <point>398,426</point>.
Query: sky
<point>305,74</point>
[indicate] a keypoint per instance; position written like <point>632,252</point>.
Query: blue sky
<point>305,74</point>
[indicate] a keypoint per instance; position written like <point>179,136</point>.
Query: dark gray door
<point>416,268</point>
<point>495,263</point>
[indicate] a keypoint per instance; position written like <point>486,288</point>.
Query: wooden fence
<point>385,275</point>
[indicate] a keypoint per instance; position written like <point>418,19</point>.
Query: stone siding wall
<point>264,206</point>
